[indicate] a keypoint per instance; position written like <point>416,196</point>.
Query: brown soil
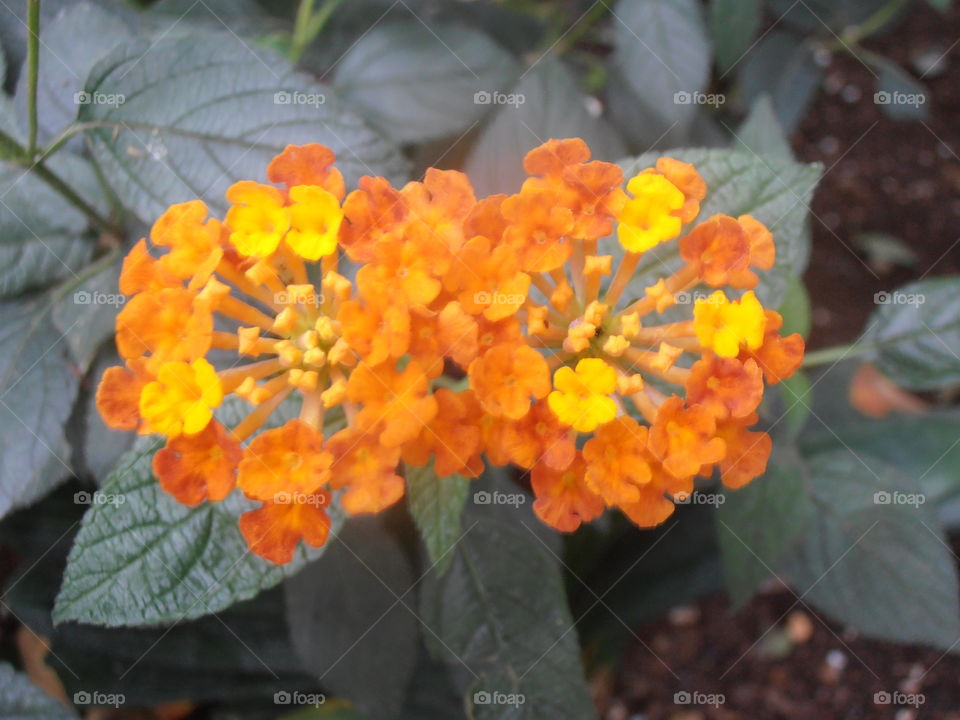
<point>777,660</point>
<point>882,175</point>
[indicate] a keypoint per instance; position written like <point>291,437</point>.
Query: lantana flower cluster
<point>494,330</point>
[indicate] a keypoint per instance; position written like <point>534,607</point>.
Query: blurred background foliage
<point>211,89</point>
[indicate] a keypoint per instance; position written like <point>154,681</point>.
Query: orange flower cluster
<point>474,329</point>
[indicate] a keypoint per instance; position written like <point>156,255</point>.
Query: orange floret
<point>747,452</point>
<point>274,530</point>
<point>194,468</point>
<point>725,386</point>
<point>718,248</point>
<point>118,395</point>
<point>687,180</point>
<point>366,470</point>
<point>452,437</point>
<point>373,212</point>
<point>307,165</point>
<point>683,438</point>
<point>396,400</point>
<point>505,378</point>
<point>537,230</point>
<point>564,500</point>
<point>778,356</point>
<point>617,463</point>
<point>539,437</point>
<point>167,324</point>
<point>283,462</point>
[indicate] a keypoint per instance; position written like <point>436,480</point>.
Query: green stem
<point>102,263</point>
<point>308,25</point>
<point>580,30</point>
<point>836,353</point>
<point>72,197</point>
<point>856,34</point>
<point>33,62</point>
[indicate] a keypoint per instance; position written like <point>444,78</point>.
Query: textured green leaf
<point>40,233</point>
<point>163,145</point>
<point>761,132</point>
<point>872,558</point>
<point>70,45</point>
<point>776,192</point>
<point>343,611</point>
<point>785,69</point>
<point>499,619</point>
<point>37,389</point>
<point>733,25</point>
<point>437,506</point>
<point>553,107</point>
<point>20,699</point>
<point>142,558</point>
<point>417,83</point>
<point>758,524</point>
<point>915,331</point>
<point>662,49</point>
<point>87,314</point>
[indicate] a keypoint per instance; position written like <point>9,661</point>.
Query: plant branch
<point>33,61</point>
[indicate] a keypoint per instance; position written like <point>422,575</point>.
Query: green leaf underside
<point>20,699</point>
<point>343,611</point>
<point>883,568</point>
<point>437,506</point>
<point>916,330</point>
<point>147,559</point>
<point>162,145</point>
<point>417,83</point>
<point>495,637</point>
<point>37,389</point>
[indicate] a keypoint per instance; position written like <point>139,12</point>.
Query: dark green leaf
<point>86,315</point>
<point>37,389</point>
<point>40,233</point>
<point>785,69</point>
<point>20,699</point>
<point>663,51</point>
<point>417,83</point>
<point>437,505</point>
<point>761,133</point>
<point>163,145</point>
<point>915,331</point>
<point>499,619</point>
<point>733,25</point>
<point>873,556</point>
<point>344,610</point>
<point>552,107</point>
<point>758,524</point>
<point>142,558</point>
